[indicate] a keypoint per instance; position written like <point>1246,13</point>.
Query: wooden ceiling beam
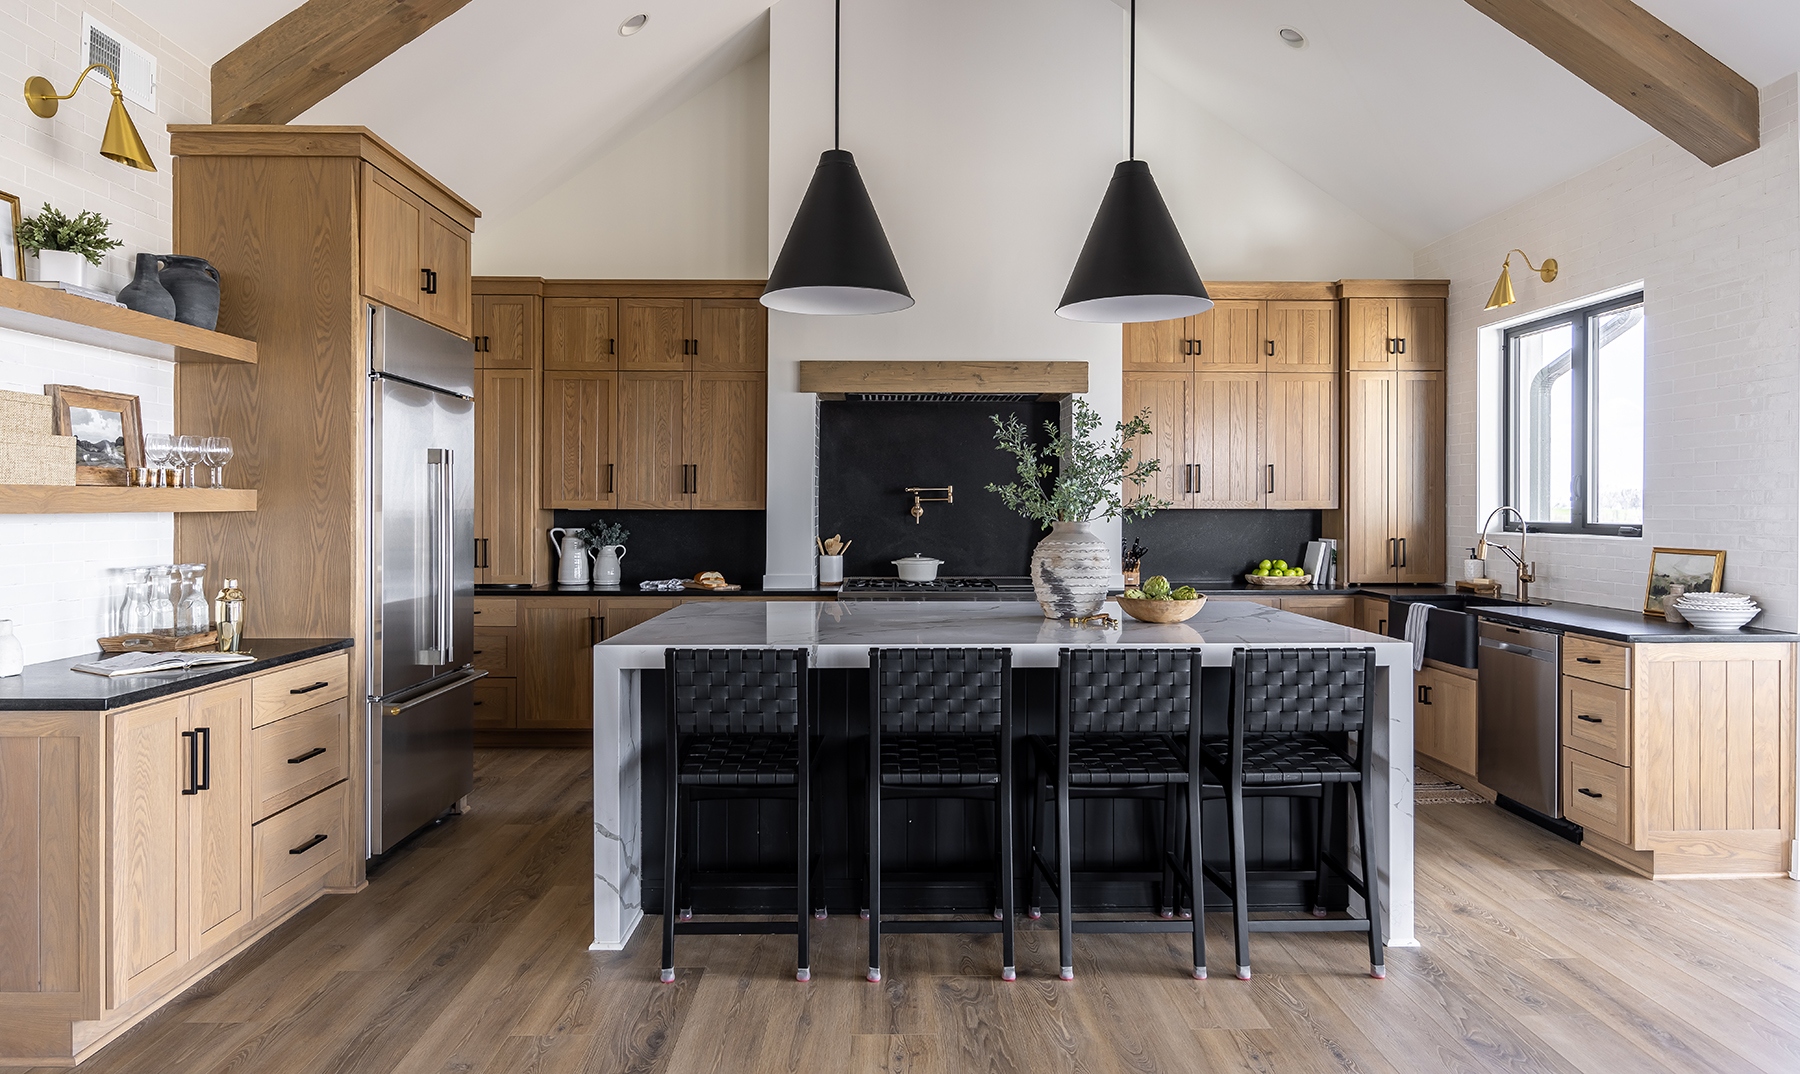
<point>312,51</point>
<point>1640,62</point>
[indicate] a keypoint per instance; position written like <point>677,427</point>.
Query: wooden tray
<point>1298,579</point>
<point>712,588</point>
<point>158,643</point>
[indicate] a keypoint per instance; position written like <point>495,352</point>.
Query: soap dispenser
<point>1473,568</point>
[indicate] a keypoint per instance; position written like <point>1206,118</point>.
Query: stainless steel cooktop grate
<point>939,397</point>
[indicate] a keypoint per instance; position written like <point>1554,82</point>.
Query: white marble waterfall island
<point>840,635</point>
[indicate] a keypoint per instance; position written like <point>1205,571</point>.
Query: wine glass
<point>216,452</point>
<point>186,454</point>
<point>156,453</point>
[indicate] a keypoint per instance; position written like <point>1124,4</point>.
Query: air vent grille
<point>135,67</point>
<point>939,397</point>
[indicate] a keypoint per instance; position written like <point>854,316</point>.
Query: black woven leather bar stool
<point>940,726</point>
<point>1292,711</point>
<point>1122,720</point>
<point>740,727</point>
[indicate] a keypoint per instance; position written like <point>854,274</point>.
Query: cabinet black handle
<point>1270,347</point>
<point>309,844</point>
<point>1381,628</point>
<point>1588,719</point>
<point>1271,487</point>
<point>310,689</point>
<point>307,756</point>
<point>1402,342</point>
<point>1424,695</point>
<point>425,280</point>
<point>1587,660</point>
<point>205,734</point>
<point>1199,347</point>
<point>193,741</point>
<point>609,479</point>
<point>612,346</point>
<point>1590,794</point>
<point>1403,551</point>
<point>593,631</point>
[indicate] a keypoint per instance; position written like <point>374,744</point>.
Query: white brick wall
<point>1718,252</point>
<point>60,574</point>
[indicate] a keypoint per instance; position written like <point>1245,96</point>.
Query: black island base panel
<point>740,839</point>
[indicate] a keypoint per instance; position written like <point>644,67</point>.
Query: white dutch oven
<point>918,568</point>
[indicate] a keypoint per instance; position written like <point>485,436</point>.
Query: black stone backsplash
<point>869,453</point>
<point>681,544</point>
<point>1195,546</point>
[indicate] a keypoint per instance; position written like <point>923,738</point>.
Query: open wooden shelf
<point>114,499</point>
<point>42,311</point>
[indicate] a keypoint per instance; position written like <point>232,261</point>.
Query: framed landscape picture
<point>109,436</point>
<point>1699,570</point>
<point>12,258</point>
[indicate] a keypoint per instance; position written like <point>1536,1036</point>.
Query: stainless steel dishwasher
<point>1519,726</point>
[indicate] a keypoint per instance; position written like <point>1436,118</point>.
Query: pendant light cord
<point>1131,123</point>
<point>837,66</point>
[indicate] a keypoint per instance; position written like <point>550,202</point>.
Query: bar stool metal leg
<point>1003,809</point>
<point>1327,798</point>
<point>1240,888</point>
<point>874,856</point>
<point>1366,824</point>
<point>1065,884</point>
<point>1040,832</point>
<point>1196,879</point>
<point>671,826</point>
<point>803,869</point>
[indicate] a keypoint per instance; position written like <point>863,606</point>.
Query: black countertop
<point>630,589</point>
<point>1620,625</point>
<point>53,686</point>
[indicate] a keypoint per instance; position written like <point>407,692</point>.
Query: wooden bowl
<point>1298,579</point>
<point>1161,611</point>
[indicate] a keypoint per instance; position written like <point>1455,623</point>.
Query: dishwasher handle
<point>1545,655</point>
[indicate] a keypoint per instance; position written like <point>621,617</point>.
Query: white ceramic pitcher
<point>572,557</point>
<point>606,563</point>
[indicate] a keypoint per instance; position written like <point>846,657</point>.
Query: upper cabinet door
<point>654,334</point>
<point>444,255</point>
<point>1422,333</point>
<point>1305,337</point>
<point>1232,337</point>
<point>1161,346</point>
<point>506,331</point>
<point>219,817</point>
<point>389,226</point>
<point>728,438</point>
<point>730,335</point>
<point>1166,397</point>
<point>1301,441</point>
<point>581,333</point>
<point>1227,437</point>
<point>653,463</point>
<point>1371,333</point>
<point>580,441</point>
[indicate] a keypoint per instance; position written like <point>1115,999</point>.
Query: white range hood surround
<point>985,151</point>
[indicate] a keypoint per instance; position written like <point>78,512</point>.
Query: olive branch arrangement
<point>1077,477</point>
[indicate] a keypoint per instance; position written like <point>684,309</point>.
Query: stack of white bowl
<point>1717,611</point>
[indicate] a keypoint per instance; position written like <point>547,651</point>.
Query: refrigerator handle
<point>443,551</point>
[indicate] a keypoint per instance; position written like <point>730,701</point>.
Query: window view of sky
<point>1617,378</point>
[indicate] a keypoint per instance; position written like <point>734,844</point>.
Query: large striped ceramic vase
<point>1071,570</point>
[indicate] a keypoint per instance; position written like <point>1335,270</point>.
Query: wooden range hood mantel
<point>1047,379</point>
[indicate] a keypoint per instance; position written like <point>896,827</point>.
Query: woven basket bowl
<point>1161,611</point>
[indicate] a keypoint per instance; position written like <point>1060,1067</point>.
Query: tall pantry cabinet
<point>510,527</point>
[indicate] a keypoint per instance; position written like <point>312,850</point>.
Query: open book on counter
<point>151,663</point>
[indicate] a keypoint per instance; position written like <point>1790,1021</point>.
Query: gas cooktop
<point>947,588</point>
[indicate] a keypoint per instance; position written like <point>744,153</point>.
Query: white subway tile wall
<point>60,575</point>
<point>1718,251</point>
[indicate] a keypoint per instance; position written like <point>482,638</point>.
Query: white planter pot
<point>1071,570</point>
<point>606,564</point>
<point>61,266</point>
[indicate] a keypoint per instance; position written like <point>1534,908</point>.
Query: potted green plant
<point>1066,485</point>
<point>65,245</point>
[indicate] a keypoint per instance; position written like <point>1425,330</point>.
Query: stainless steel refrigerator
<point>421,527</point>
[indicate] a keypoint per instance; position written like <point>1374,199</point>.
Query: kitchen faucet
<point>1527,571</point>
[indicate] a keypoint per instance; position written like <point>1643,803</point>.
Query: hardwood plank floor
<point>468,954</point>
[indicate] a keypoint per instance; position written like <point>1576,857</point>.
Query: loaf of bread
<point>710,579</point>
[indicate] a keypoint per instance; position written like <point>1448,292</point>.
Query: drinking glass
<point>192,613</point>
<point>162,607</point>
<point>188,447</point>
<point>215,451</point>
<point>156,453</point>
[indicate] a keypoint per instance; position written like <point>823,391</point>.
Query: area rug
<point>1429,788</point>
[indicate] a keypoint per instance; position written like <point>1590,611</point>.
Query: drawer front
<point>1597,720</point>
<point>285,691</point>
<point>300,756</point>
<point>496,650</point>
<point>496,702</point>
<point>290,861</point>
<point>496,611</point>
<point>1597,794</point>
<point>1597,661</point>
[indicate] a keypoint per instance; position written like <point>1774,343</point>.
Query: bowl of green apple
<point>1276,572</point>
<point>1159,602</point>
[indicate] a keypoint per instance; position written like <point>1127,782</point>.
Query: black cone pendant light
<point>1134,266</point>
<point>836,259</point>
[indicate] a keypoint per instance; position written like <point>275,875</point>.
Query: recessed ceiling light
<point>1292,38</point>
<point>632,25</point>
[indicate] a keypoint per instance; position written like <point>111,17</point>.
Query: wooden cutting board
<point>712,588</point>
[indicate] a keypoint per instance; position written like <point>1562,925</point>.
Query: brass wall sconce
<point>918,510</point>
<point>1503,291</point>
<point>120,142</point>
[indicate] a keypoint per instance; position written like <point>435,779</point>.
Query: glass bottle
<point>228,613</point>
<point>192,614</point>
<point>135,618</point>
<point>162,606</point>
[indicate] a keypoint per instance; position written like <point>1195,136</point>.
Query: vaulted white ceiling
<point>1423,115</point>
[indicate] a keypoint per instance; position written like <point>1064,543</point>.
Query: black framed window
<point>1573,412</point>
